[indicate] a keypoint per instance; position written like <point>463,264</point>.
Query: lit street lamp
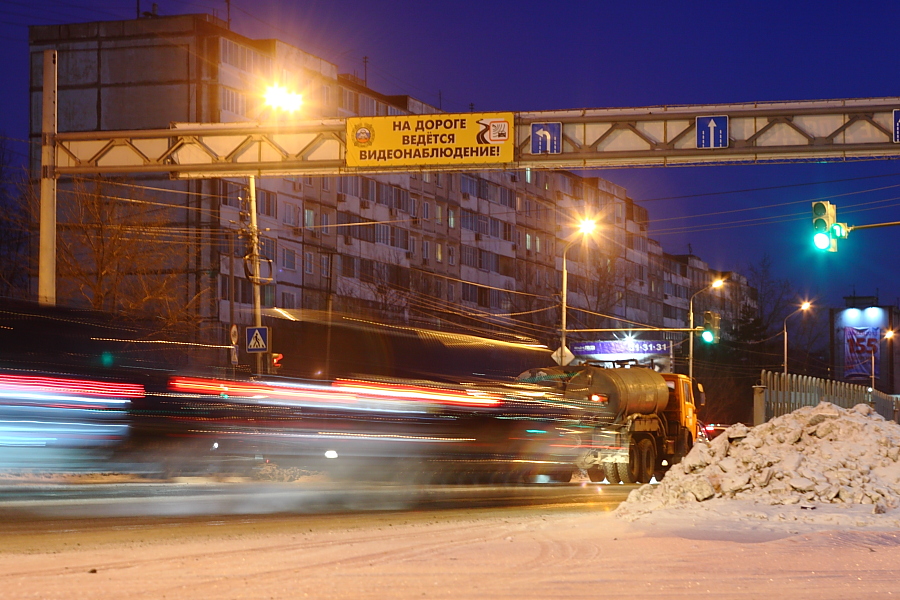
<point>803,307</point>
<point>889,334</point>
<point>280,99</point>
<point>714,285</point>
<point>586,227</point>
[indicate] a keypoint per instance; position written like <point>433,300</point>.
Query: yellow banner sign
<point>430,140</point>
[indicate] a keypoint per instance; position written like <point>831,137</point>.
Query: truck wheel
<point>630,472</point>
<point>597,474</point>
<point>684,444</point>
<point>647,455</point>
<point>612,472</point>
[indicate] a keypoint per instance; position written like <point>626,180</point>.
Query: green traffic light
<point>707,336</point>
<point>822,241</point>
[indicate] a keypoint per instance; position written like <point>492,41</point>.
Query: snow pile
<point>815,456</point>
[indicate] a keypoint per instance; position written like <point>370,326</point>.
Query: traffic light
<point>826,229</point>
<point>710,333</point>
<point>276,361</point>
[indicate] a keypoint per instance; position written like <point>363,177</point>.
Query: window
<point>382,234</point>
<point>438,214</point>
<point>426,210</point>
<point>437,179</point>
<point>308,260</point>
<point>469,256</point>
<point>267,296</point>
<point>426,249</point>
<point>439,252</point>
<point>528,241</point>
<point>451,218</point>
<point>468,185</point>
<point>288,300</point>
<point>349,184</point>
<point>451,291</point>
<point>326,184</point>
<point>265,203</point>
<point>288,259</point>
<point>289,214</point>
<point>267,248</point>
<point>451,255</point>
<point>232,194</point>
<point>325,266</point>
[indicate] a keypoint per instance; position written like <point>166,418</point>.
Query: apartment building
<point>476,252</point>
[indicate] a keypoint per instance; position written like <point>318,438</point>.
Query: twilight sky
<point>526,55</point>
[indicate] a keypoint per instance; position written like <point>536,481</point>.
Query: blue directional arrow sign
<point>546,138</point>
<point>896,126</point>
<point>712,132</point>
<point>257,339</point>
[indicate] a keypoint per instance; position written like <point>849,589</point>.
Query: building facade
<point>475,252</point>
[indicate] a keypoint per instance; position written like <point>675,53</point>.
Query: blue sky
<point>521,55</point>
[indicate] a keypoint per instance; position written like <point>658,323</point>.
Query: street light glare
<point>718,283</point>
<point>587,226</point>
<point>889,334</point>
<point>282,99</point>
<point>805,306</point>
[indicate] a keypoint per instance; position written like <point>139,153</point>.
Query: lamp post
<point>803,307</point>
<point>889,334</point>
<point>280,99</point>
<point>586,227</point>
<point>714,285</point>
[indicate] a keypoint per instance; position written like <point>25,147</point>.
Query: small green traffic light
<point>710,333</point>
<point>826,230</point>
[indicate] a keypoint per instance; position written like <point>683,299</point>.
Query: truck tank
<point>622,392</point>
<point>609,394</point>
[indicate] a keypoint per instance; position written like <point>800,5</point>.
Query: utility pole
<point>253,258</point>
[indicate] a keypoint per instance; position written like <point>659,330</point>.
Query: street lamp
<point>803,307</point>
<point>889,334</point>
<point>278,98</point>
<point>585,227</point>
<point>714,285</point>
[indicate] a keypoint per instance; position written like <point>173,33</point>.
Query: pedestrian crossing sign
<point>257,339</point>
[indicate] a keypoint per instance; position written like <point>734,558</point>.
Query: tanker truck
<point>634,422</point>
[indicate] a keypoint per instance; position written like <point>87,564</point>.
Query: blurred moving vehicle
<point>51,421</point>
<point>401,430</point>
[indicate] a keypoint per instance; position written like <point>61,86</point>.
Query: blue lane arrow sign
<point>896,126</point>
<point>546,138</point>
<point>712,132</point>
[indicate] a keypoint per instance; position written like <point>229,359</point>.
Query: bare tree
<point>14,228</point>
<point>774,295</point>
<point>119,251</point>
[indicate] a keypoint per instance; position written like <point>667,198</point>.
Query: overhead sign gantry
<point>829,130</point>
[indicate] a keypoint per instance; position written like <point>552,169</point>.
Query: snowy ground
<point>805,506</point>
